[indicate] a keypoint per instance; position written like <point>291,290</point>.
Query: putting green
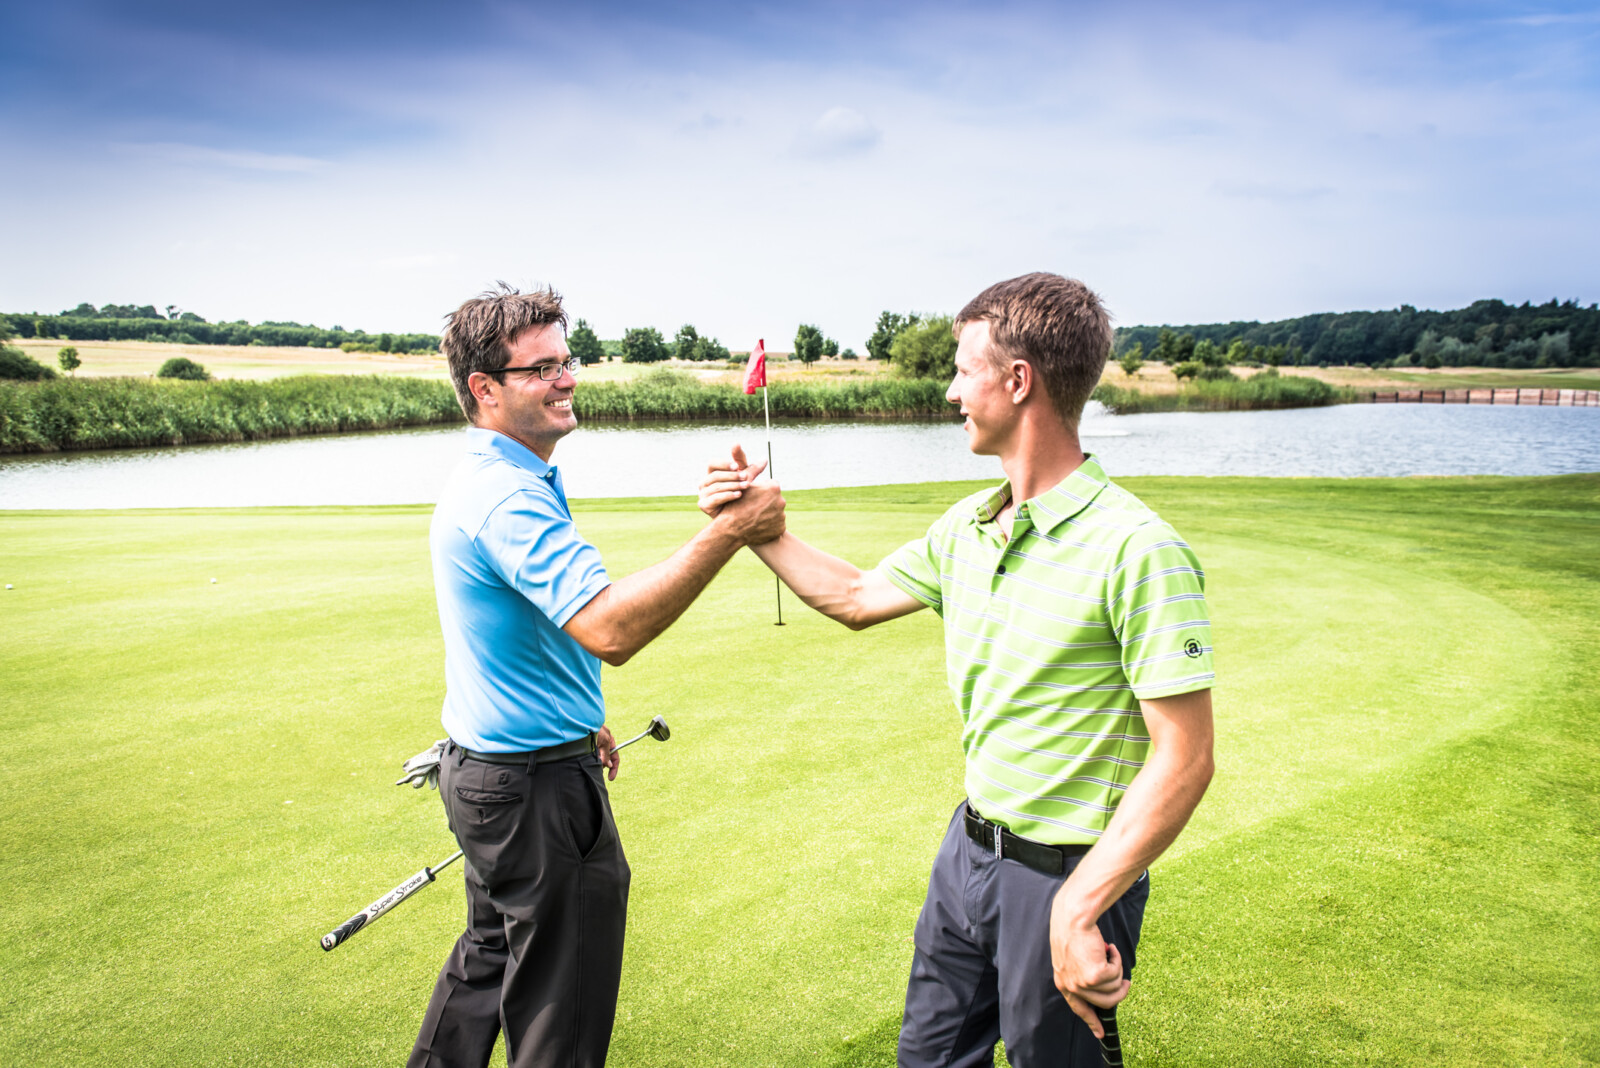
<point>196,787</point>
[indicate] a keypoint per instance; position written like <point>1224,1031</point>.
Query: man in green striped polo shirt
<point>1078,650</point>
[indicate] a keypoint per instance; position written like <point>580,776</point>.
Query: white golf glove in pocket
<point>424,767</point>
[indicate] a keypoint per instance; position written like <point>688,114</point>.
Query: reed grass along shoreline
<point>115,413</point>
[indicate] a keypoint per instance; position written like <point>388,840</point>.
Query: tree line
<point>644,344</point>
<point>128,322</point>
<point>1487,333</point>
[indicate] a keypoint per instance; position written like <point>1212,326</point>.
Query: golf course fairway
<point>1397,864</point>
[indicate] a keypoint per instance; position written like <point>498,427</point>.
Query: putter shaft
<point>657,729</point>
<point>630,741</point>
<point>370,914</point>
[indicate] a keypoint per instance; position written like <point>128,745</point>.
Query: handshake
<point>751,512</point>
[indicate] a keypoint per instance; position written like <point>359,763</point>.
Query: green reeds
<point>666,394</point>
<point>116,413</point>
<point>1259,391</point>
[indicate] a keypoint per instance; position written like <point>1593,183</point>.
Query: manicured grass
<point>1394,866</point>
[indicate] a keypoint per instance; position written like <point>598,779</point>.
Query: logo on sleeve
<point>1191,648</point>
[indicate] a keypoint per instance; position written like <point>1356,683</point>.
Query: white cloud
<point>838,131</point>
<point>1571,18</point>
<point>1189,169</point>
<point>178,154</point>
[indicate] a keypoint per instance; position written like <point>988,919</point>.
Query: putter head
<point>659,729</point>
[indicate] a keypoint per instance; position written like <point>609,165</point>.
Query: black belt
<point>565,751</point>
<point>1048,859</point>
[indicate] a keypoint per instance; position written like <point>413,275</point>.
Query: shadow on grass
<point>875,1048</point>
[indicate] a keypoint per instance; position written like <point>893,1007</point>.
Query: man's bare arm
<point>836,588</point>
<point>1155,807</point>
<point>632,612</point>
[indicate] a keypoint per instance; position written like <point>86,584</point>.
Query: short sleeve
<point>914,568</point>
<point>532,544</point>
<point>1157,603</point>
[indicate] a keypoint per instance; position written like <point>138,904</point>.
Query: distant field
<point>231,361</point>
<point>1484,377</point>
<point>102,358</point>
<point>1158,378</point>
<point>1395,865</point>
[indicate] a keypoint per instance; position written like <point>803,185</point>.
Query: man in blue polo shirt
<point>528,613</point>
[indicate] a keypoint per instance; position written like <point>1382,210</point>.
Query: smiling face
<point>979,387</point>
<point>522,405</point>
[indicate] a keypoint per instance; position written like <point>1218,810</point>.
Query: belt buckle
<point>999,841</point>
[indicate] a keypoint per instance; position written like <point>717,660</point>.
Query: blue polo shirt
<point>509,570</point>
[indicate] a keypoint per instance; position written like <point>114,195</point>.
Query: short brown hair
<point>478,335</point>
<point>1057,324</point>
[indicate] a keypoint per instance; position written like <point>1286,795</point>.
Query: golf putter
<point>658,730</point>
<point>1111,1044</point>
<point>341,933</point>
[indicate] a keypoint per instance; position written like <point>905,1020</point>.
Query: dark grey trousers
<point>547,898</point>
<point>982,968</point>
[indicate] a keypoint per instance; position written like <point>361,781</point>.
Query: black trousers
<point>982,968</point>
<point>547,900</point>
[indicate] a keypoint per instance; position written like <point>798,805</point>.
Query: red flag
<point>755,372</point>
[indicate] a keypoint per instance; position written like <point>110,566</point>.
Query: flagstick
<point>777,583</point>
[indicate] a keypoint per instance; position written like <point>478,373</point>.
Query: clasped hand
<point>730,491</point>
<point>1088,969</point>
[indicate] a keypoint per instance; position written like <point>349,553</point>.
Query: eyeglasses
<point>547,372</point>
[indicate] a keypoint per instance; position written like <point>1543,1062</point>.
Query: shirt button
<point>1002,569</point>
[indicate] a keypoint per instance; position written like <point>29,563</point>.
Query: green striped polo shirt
<point>1051,640</point>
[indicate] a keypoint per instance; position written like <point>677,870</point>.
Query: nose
<point>951,394</point>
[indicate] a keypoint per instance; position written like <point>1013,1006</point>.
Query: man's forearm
<point>824,582</point>
<point>837,588</point>
<point>632,612</point>
<point>1154,809</point>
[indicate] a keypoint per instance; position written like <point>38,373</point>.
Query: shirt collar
<point>1058,504</point>
<point>482,441</point>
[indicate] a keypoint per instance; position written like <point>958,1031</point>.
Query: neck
<point>542,449</point>
<point>1042,452</point>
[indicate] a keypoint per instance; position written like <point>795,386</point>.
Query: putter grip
<point>1111,1044</point>
<point>342,933</point>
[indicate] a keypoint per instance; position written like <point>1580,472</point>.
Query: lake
<point>622,460</point>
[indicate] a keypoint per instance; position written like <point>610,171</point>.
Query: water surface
<point>621,460</point>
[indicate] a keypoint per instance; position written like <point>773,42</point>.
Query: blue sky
<point>747,167</point>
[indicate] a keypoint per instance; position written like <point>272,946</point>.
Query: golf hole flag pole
<point>755,377</point>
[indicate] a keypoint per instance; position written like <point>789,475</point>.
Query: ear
<point>1019,381</point>
<point>479,385</point>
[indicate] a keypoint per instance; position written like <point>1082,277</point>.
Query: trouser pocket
<point>584,809</point>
